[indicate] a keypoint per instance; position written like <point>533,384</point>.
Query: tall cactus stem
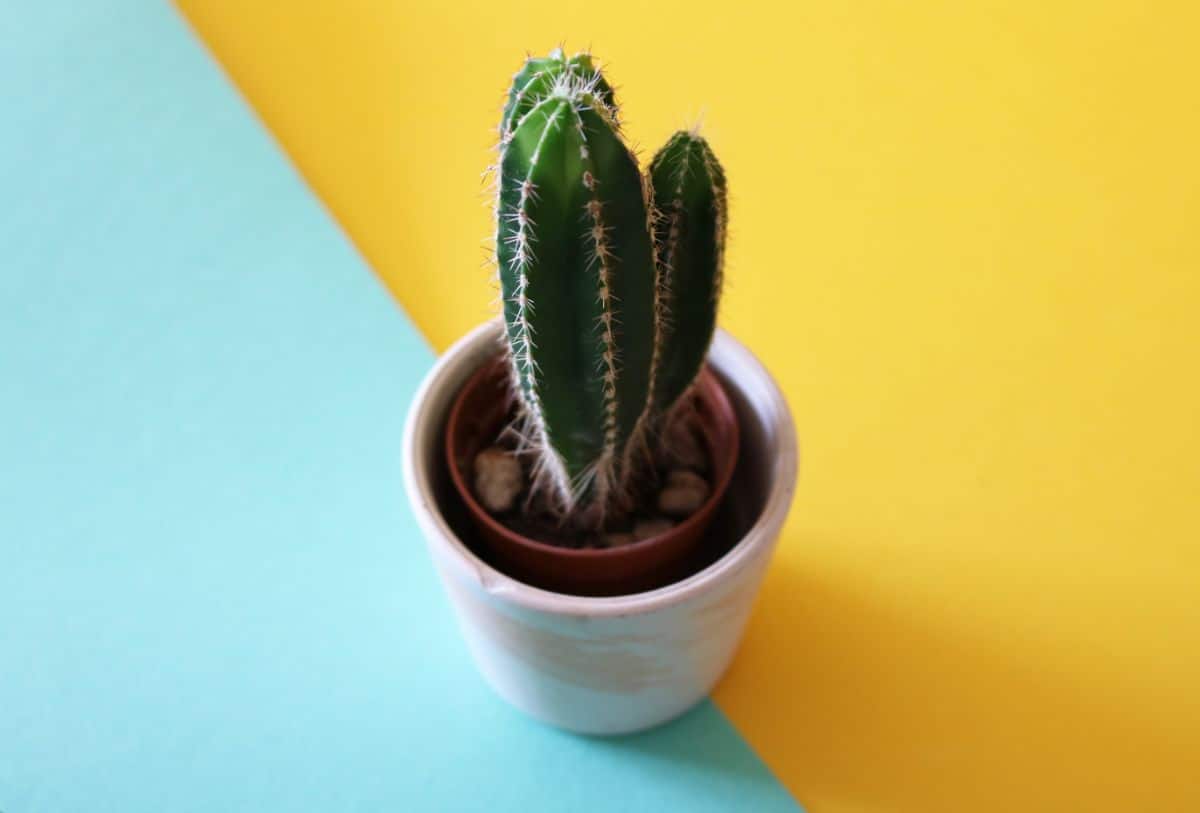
<point>640,449</point>
<point>549,471</point>
<point>602,260</point>
<point>577,274</point>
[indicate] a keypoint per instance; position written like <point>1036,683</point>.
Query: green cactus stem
<point>689,236</point>
<point>536,78</point>
<point>578,278</point>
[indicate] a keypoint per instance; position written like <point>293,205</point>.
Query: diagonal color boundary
<point>213,597</point>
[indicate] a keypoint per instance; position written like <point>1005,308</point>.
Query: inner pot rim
<point>735,364</point>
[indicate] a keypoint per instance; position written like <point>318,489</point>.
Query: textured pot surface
<point>607,665</point>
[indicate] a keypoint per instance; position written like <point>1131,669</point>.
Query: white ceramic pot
<point>624,663</point>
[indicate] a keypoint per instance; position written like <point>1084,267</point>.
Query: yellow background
<point>966,238</point>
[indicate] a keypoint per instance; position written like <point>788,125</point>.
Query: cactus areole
<point>610,279</point>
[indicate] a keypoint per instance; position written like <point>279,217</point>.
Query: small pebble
<point>683,448</point>
<point>686,479</point>
<point>498,479</point>
<point>646,528</point>
<point>616,540</point>
<point>685,492</point>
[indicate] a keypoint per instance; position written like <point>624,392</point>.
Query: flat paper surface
<point>964,239</point>
<point>212,595</point>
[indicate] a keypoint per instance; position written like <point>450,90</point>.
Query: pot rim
<point>423,445</point>
<point>584,555</point>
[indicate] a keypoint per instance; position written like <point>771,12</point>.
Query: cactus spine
<point>537,77</point>
<point>603,337</point>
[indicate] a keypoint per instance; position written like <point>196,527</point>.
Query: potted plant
<point>600,481</point>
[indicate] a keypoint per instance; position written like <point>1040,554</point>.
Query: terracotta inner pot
<point>476,420</point>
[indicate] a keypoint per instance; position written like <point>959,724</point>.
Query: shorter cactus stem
<point>689,236</point>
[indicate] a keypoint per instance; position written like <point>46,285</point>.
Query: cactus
<point>596,357</point>
<point>537,77</point>
<point>689,234</point>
